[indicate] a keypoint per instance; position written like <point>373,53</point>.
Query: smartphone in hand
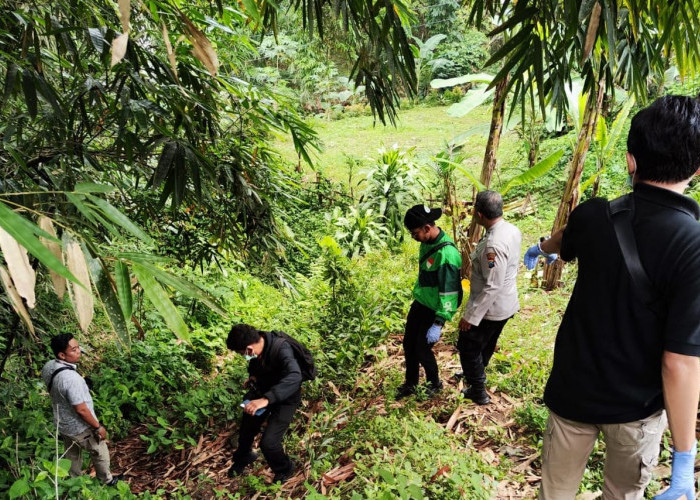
<point>257,413</point>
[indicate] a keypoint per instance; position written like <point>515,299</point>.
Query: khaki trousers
<point>631,451</point>
<point>98,453</point>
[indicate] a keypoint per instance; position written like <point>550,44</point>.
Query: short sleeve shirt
<point>608,351</point>
<point>69,389</point>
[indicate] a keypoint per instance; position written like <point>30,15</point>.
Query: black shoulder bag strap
<point>56,372</point>
<point>435,249</point>
<point>621,212</point>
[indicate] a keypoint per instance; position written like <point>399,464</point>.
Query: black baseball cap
<point>420,215</point>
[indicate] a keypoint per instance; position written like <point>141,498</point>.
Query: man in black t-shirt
<point>619,360</point>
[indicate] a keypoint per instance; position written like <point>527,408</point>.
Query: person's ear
<point>61,355</point>
<point>632,163</point>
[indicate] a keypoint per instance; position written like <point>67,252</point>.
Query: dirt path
<point>201,469</point>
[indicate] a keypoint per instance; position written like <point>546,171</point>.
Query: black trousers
<point>278,417</point>
<point>415,345</point>
<point>476,346</point>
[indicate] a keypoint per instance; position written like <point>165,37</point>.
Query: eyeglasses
<point>415,232</point>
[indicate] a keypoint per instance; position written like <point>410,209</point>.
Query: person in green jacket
<point>437,295</point>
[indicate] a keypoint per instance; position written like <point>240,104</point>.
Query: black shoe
<point>433,389</point>
<point>240,464</point>
<point>115,480</point>
<point>404,390</point>
<point>479,396</point>
<point>283,477</point>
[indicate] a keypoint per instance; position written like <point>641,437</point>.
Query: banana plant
<point>426,63</point>
<point>530,175</point>
<point>606,140</point>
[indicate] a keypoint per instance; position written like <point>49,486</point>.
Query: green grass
<point>427,129</point>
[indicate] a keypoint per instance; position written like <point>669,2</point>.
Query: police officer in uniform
<point>493,297</point>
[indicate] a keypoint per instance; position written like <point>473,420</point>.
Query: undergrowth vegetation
<point>342,286</point>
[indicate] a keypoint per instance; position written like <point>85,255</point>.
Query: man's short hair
<point>664,139</point>
<point>241,336</point>
<point>489,203</point>
<point>59,343</point>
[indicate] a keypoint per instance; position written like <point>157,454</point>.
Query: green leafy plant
<point>392,184</point>
<point>359,230</point>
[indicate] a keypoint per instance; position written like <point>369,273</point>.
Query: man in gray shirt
<point>493,297</point>
<point>73,411</point>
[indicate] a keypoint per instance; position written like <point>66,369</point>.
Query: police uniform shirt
<point>495,260</point>
<point>608,351</point>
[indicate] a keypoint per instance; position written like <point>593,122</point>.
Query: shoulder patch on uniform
<point>491,259</point>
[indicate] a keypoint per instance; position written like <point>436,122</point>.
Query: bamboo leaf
<point>25,233</point>
<point>91,187</point>
<point>29,89</point>
<point>125,14</point>
<point>59,282</point>
<point>81,296</point>
<point>592,32</point>
<point>201,46</point>
<point>15,299</point>
<point>617,125</point>
<point>182,286</point>
<point>21,272</point>
<point>169,49</point>
<point>10,81</point>
<point>98,39</point>
<point>538,170</point>
<point>119,218</point>
<point>123,281</point>
<point>82,208</point>
<point>110,303</point>
<point>251,10</point>
<point>119,45</point>
<point>160,300</point>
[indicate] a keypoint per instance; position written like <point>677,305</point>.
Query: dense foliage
<point>142,137</point>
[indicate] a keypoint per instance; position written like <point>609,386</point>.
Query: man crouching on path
<point>437,295</point>
<point>274,395</point>
<point>73,410</point>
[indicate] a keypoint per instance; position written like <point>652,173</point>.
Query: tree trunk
<point>487,169</point>
<point>552,273</point>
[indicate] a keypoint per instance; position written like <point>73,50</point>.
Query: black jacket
<point>277,373</point>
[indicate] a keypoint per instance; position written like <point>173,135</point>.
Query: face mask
<point>248,357</point>
<point>629,180</point>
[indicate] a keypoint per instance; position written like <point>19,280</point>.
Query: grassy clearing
<point>427,129</point>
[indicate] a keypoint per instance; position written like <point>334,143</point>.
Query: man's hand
<point>434,333</point>
<point>102,433</point>
<point>533,253</point>
<point>251,380</point>
<point>255,405</point>
<point>464,325</point>
<point>682,476</point>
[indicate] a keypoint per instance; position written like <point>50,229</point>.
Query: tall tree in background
<point>105,102</point>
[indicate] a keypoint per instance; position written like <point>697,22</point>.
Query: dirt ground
<point>203,468</point>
